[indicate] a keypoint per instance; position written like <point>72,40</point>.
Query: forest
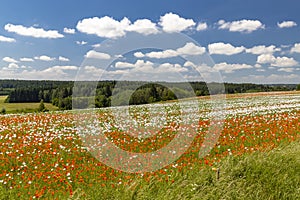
<point>115,93</point>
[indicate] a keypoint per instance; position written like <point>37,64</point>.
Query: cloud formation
<point>32,31</point>
<point>201,26</point>
<point>26,60</point>
<point>287,69</point>
<point>174,23</point>
<point>262,49</point>
<point>9,60</point>
<point>188,49</point>
<point>149,67</point>
<point>44,58</point>
<point>276,61</point>
<point>81,42</point>
<point>273,78</point>
<point>6,39</point>
<point>62,67</point>
<point>243,26</point>
<point>137,64</point>
<point>69,30</point>
<point>143,26</point>
<point>224,49</point>
<point>229,68</point>
<point>97,55</point>
<point>106,27</point>
<point>286,24</point>
<point>296,48</point>
<point>63,59</point>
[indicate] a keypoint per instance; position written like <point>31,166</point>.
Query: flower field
<point>45,155</point>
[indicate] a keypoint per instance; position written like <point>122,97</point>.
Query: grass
<point>22,107</point>
<point>41,156</point>
<point>260,175</point>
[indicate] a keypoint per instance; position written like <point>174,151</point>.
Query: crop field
<point>22,107</point>
<point>62,155</point>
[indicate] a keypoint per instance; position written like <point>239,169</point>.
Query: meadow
<point>256,155</point>
<point>22,107</point>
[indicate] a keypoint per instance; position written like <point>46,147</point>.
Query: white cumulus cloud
<point>276,61</point>
<point>273,78</point>
<point>63,67</point>
<point>169,53</point>
<point>188,49</point>
<point>81,42</point>
<point>143,26</point>
<point>58,70</point>
<point>64,59</point>
<point>106,27</point>
<point>6,39</point>
<point>44,58</point>
<point>174,23</point>
<point>243,26</point>
<point>32,31</point>
<point>225,49</point>
<point>266,58</point>
<point>139,65</point>
<point>26,60</point>
<point>287,69</point>
<point>262,49</point>
<point>147,66</point>
<point>96,45</point>
<point>69,30</point>
<point>122,65</point>
<point>13,66</point>
<point>97,55</point>
<point>191,49</point>
<point>286,24</point>
<point>296,48</point>
<point>139,54</point>
<point>201,26</point>
<point>93,71</point>
<point>169,68</point>
<point>284,62</point>
<point>9,60</point>
<point>229,68</point>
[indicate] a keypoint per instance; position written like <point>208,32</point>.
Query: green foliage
<point>6,99</point>
<point>298,87</point>
<point>42,107</point>
<point>3,111</point>
<point>22,107</point>
<point>59,93</point>
<point>261,175</point>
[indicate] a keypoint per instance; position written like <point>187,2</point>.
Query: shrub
<point>3,111</point>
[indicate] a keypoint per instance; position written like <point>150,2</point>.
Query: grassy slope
<point>15,107</point>
<point>261,175</point>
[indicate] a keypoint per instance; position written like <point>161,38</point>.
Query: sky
<point>212,40</point>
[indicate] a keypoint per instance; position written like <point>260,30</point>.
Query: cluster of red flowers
<point>42,154</point>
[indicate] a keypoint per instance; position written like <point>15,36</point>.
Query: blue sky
<point>248,41</point>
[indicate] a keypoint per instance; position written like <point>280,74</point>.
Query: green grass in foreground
<point>22,107</point>
<point>261,175</point>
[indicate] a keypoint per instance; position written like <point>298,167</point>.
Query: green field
<point>22,107</point>
<point>261,175</point>
<point>256,156</point>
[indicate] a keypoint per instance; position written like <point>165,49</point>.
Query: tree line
<point>65,94</point>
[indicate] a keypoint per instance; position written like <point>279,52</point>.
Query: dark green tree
<point>42,107</point>
<point>3,111</point>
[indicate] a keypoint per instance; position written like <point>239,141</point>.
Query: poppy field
<point>43,155</point>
